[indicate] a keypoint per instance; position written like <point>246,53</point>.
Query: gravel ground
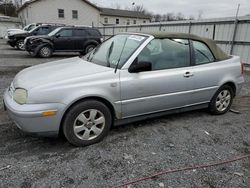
<point>130,151</point>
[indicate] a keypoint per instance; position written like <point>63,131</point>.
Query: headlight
<point>20,96</point>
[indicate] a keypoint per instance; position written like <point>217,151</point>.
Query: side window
<point>93,32</point>
<point>166,53</point>
<point>43,31</point>
<point>66,33</point>
<point>203,54</point>
<point>80,33</point>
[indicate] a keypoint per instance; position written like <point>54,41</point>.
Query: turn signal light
<point>49,113</point>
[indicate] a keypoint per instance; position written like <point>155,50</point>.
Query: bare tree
<point>18,3</point>
<point>200,14</point>
<point>7,8</point>
<point>191,17</point>
<point>138,8</point>
<point>180,16</point>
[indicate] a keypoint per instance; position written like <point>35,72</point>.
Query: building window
<point>106,20</point>
<point>134,21</point>
<point>60,13</point>
<point>128,22</point>
<point>144,21</point>
<point>74,14</point>
<point>117,21</point>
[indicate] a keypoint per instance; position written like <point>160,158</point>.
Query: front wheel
<point>222,101</point>
<point>20,45</point>
<point>87,123</point>
<point>45,51</point>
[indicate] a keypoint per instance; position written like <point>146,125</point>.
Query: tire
<point>87,123</point>
<point>20,45</point>
<point>45,52</point>
<point>89,48</point>
<point>222,100</point>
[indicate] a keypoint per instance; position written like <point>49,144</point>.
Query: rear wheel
<point>87,123</point>
<point>222,100</point>
<point>89,48</point>
<point>45,51</point>
<point>20,45</point>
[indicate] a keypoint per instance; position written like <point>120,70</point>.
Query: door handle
<point>188,74</point>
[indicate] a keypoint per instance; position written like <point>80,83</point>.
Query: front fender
<point>44,43</point>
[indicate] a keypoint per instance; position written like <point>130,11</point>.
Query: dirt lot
<point>129,151</point>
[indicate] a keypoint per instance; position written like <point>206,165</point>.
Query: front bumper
<point>29,117</point>
<point>11,42</point>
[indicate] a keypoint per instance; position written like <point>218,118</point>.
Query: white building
<point>6,23</point>
<point>76,12</point>
<point>111,16</point>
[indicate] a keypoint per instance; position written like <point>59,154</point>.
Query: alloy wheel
<point>45,52</point>
<point>223,100</point>
<point>89,124</point>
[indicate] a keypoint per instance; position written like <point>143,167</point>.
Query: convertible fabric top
<point>218,53</point>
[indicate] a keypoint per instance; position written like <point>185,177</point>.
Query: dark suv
<point>17,40</point>
<point>64,39</point>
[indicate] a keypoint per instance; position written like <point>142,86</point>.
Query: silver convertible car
<point>127,78</point>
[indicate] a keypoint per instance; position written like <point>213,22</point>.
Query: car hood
<point>20,34</point>
<point>56,71</point>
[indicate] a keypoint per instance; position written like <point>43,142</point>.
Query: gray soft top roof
<point>218,53</point>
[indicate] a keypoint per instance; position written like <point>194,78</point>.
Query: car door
<point>80,37</point>
<point>167,86</point>
<point>63,40</point>
<point>206,71</point>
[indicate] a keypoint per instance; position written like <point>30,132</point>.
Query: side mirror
<point>142,66</point>
<point>58,35</point>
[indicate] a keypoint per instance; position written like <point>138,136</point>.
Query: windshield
<point>29,27</point>
<point>26,28</point>
<point>30,31</point>
<point>52,33</point>
<point>115,51</point>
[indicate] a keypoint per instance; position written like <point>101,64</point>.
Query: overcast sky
<point>210,8</point>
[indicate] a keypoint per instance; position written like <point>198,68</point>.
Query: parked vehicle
<point>127,78</point>
<point>17,40</point>
<point>64,39</point>
<point>26,28</point>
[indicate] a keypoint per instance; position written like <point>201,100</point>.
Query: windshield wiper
<point>109,53</point>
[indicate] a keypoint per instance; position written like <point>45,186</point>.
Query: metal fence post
<point>104,33</point>
<point>234,35</point>
<point>214,28</point>
<point>189,28</point>
<point>235,29</point>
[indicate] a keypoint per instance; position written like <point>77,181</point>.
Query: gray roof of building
<point>123,13</point>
